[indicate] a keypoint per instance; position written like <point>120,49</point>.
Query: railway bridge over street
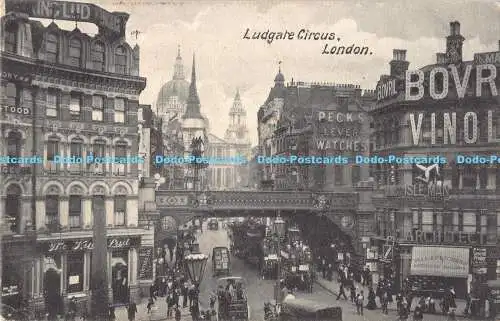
<point>174,208</point>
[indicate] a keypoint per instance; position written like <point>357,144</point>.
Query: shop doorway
<point>119,271</point>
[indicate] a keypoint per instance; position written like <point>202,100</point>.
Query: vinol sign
<point>88,244</point>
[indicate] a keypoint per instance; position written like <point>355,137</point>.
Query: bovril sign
<point>388,89</point>
<point>114,243</point>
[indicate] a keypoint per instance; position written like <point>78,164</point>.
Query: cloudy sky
<point>214,31</point>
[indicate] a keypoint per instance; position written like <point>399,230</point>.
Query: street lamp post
<point>195,266</point>
<point>279,232</point>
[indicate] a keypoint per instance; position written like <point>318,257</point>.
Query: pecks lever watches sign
<point>114,243</point>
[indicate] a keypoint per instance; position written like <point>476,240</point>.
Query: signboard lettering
<point>478,257</point>
<point>145,263</point>
<point>449,237</point>
<point>88,244</point>
<point>15,170</point>
<point>387,89</point>
<point>15,77</point>
<point>487,58</point>
<point>16,110</point>
<point>65,10</point>
<point>440,261</point>
<point>418,190</point>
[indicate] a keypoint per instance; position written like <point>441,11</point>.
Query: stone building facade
<point>82,99</point>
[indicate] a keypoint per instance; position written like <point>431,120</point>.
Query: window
<point>97,108</point>
<point>75,211</point>
<point>75,272</point>
<point>98,150</point>
<point>98,56</point>
<point>11,37</point>
<point>52,149</point>
<point>11,94</point>
<point>52,107</point>
<point>355,174</point>
<point>13,208</point>
<point>14,146</point>
<point>119,110</point>
<point>27,99</point>
<point>120,60</point>
<point>120,210</point>
<point>469,222</point>
<point>75,52</point>
<point>52,212</point>
<point>339,174</point>
<point>51,48</point>
<point>75,106</point>
<point>75,150</point>
<point>427,221</point>
<point>120,152</point>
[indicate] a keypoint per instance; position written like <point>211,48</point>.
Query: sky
<point>214,30</point>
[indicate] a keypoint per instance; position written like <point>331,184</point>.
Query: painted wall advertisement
<point>145,263</point>
<point>440,261</point>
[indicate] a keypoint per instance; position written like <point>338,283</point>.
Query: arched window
<point>14,144</point>
<point>13,208</point>
<point>51,48</point>
<point>120,60</point>
<point>76,150</point>
<point>75,52</point>
<point>98,56</point>
<point>120,210</point>
<point>52,211</point>
<point>120,152</point>
<point>11,37</point>
<point>99,150</point>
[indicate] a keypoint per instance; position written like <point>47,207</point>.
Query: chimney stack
<point>398,64</point>
<point>440,58</point>
<point>454,28</point>
<point>454,44</point>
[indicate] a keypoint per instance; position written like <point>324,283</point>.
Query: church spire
<point>237,97</point>
<point>179,67</point>
<point>193,101</point>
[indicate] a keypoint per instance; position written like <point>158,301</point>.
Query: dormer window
<point>11,38</point>
<point>98,56</point>
<point>120,60</point>
<point>75,52</point>
<point>51,48</point>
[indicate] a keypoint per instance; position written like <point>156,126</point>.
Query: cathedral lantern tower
<point>237,132</point>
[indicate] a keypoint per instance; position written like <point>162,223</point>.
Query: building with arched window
<point>71,102</point>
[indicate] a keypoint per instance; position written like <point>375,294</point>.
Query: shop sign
<point>487,58</point>
<point>438,237</point>
<point>12,76</point>
<point>73,11</point>
<point>389,89</point>
<point>10,290</point>
<point>145,263</point>
<point>440,261</point>
<point>15,170</point>
<point>478,257</point>
<point>25,111</point>
<point>88,244</point>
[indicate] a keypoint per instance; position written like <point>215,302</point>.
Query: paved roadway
<point>259,291</point>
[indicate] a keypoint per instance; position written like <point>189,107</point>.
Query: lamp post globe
<point>195,266</point>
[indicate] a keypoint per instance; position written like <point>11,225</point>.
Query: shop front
<point>435,269</point>
<point>65,270</point>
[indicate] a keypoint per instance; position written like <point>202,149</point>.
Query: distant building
<point>236,142</point>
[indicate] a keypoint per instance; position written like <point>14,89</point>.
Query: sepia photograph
<point>250,160</point>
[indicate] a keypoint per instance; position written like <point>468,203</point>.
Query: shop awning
<point>440,261</point>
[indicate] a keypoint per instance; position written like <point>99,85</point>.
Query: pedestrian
<point>341,291</point>
<point>152,291</point>
<point>372,305</point>
<point>184,292</point>
<point>418,313</point>
<point>112,315</point>
<point>384,302</point>
<point>177,313</point>
<point>360,301</point>
<point>170,304</point>
<point>452,316</point>
<point>132,310</point>
<point>150,304</point>
<point>403,313</point>
<point>353,293</point>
